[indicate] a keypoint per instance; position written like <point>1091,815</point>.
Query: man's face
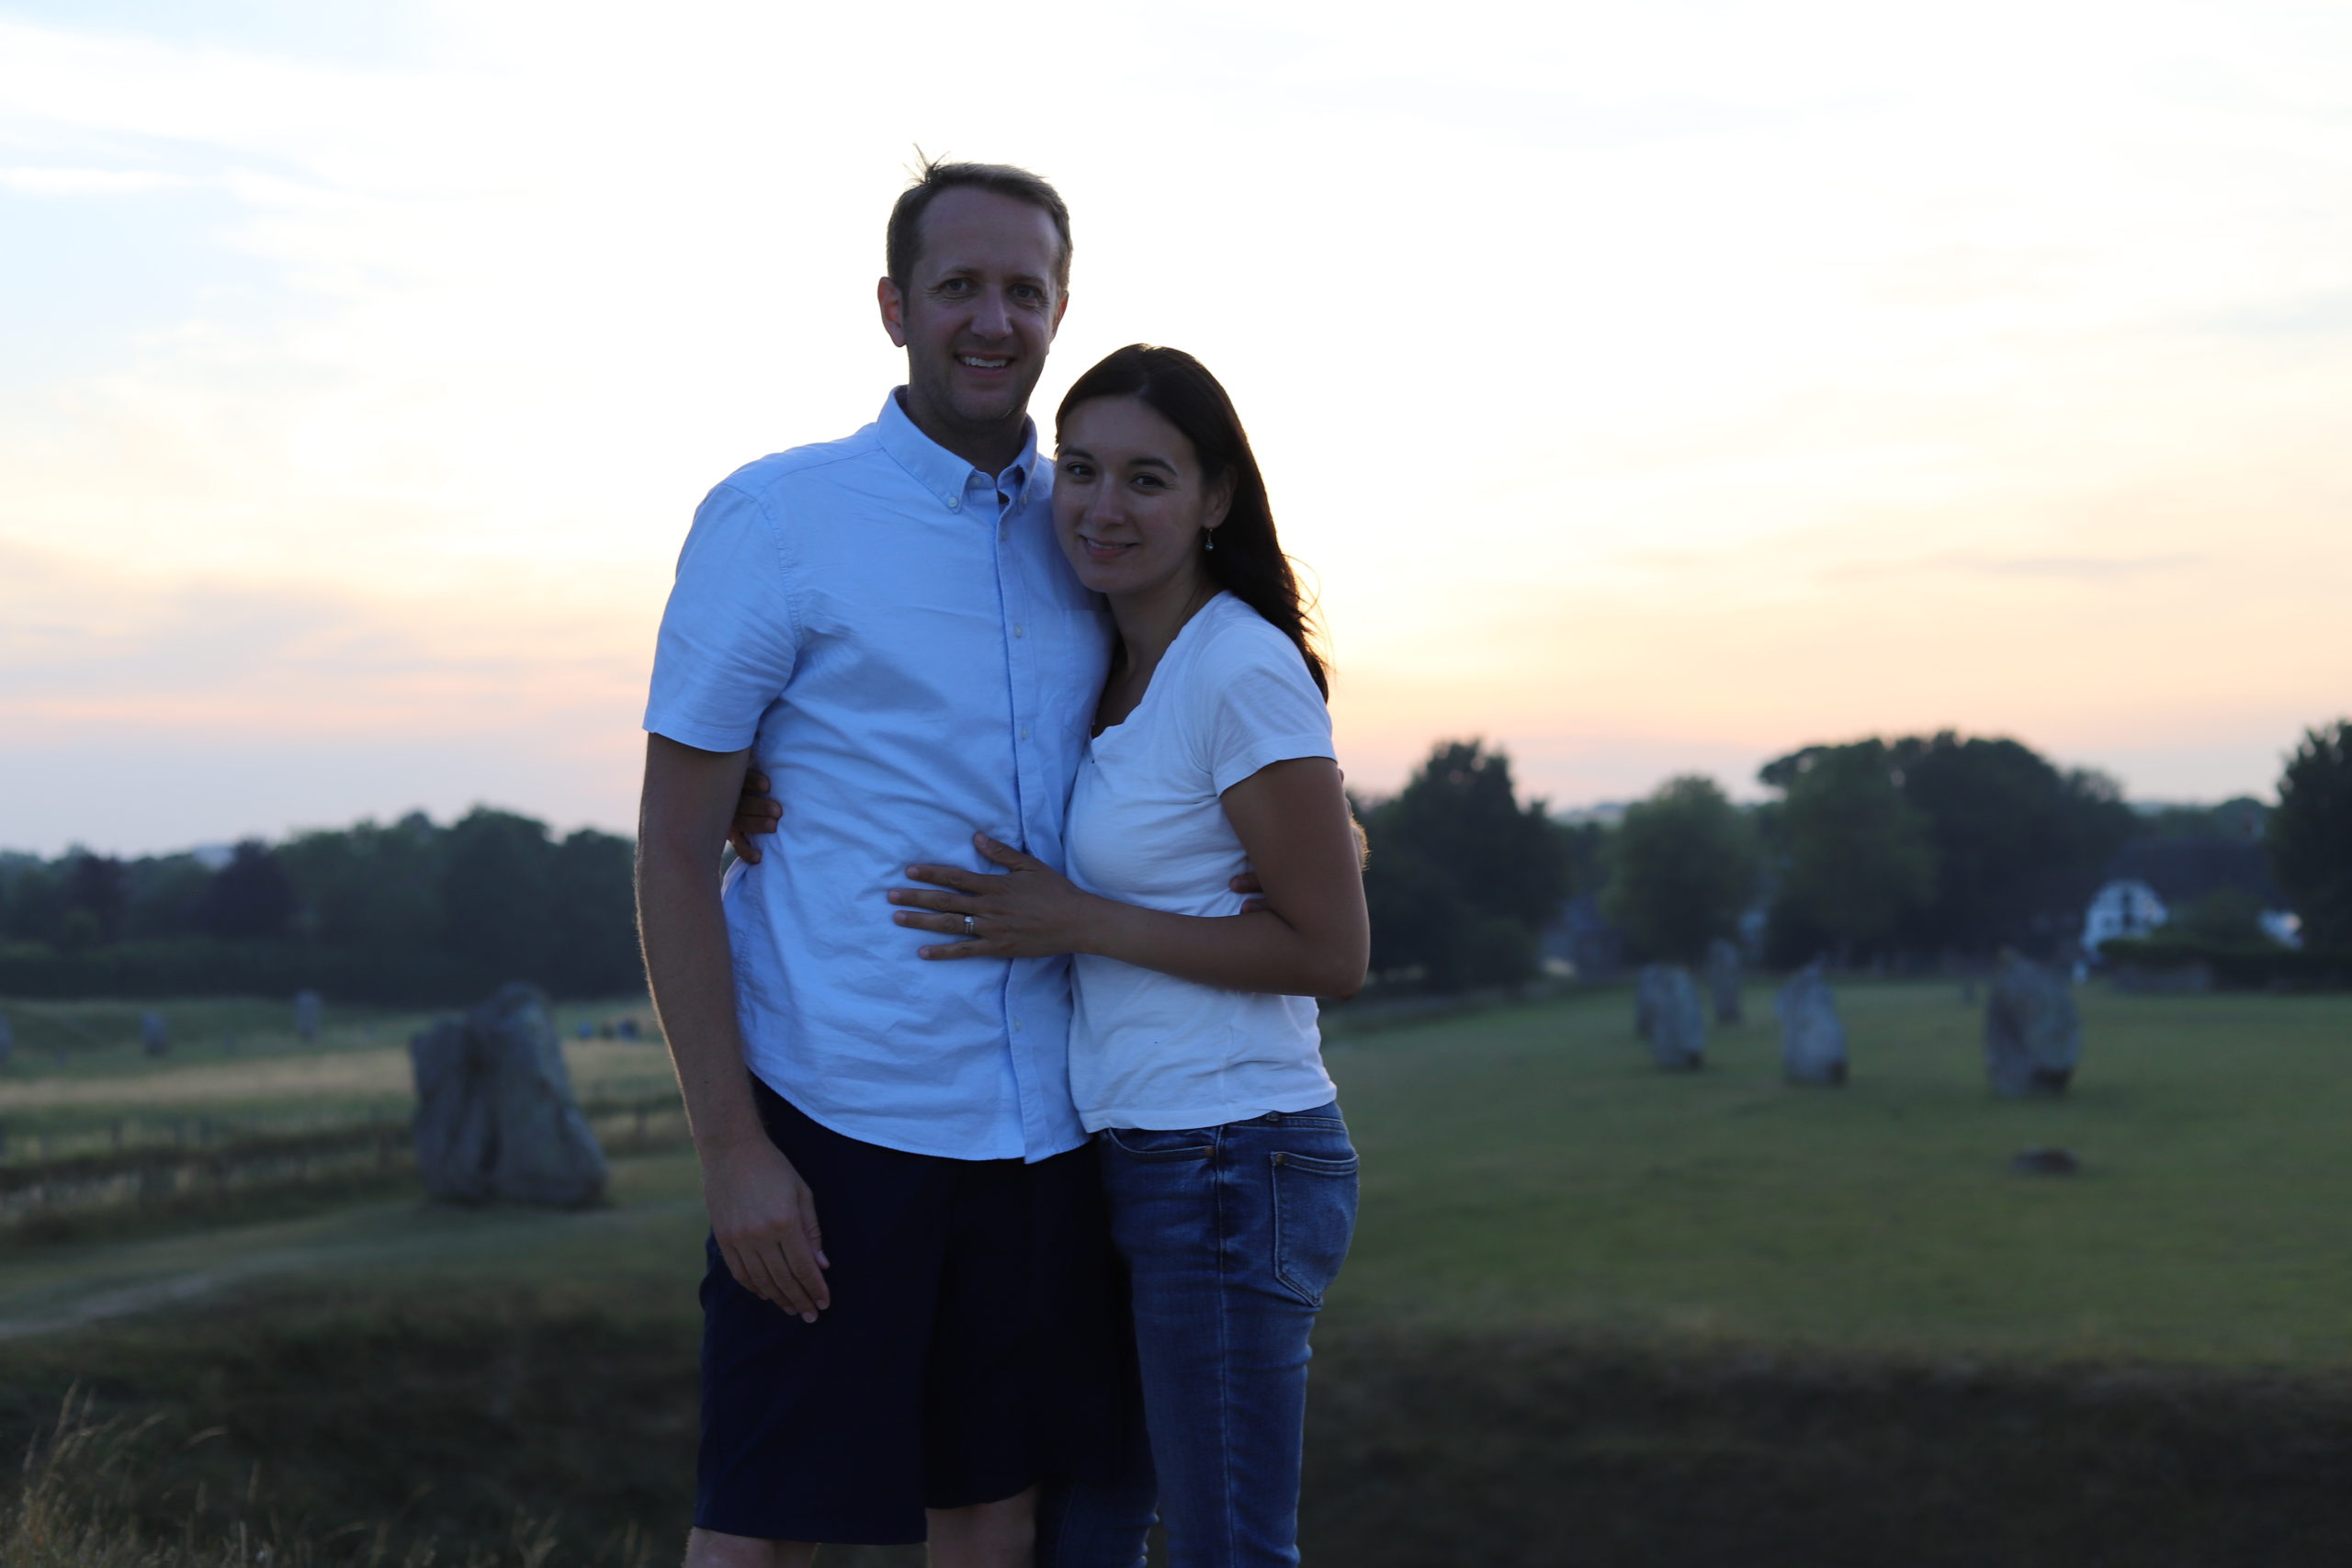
<point>979,311</point>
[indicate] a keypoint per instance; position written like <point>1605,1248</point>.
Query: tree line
<point>410,912</point>
<point>1914,849</point>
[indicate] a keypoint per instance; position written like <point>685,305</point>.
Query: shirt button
<point>956,503</point>
<point>1016,1026</point>
<point>1024,732</point>
<point>1021,631</point>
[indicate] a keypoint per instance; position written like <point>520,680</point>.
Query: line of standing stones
<point>2034,1033</point>
<point>155,1032</point>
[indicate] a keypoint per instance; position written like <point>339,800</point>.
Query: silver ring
<point>971,927</point>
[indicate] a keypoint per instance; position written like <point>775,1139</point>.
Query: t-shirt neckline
<point>1152,685</point>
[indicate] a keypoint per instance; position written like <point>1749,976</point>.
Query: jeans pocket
<point>1145,1144</point>
<point>1315,1215</point>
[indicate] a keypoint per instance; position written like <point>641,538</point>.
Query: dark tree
<point>96,886</point>
<point>1462,877</point>
<point>1587,853</point>
<point>32,901</point>
<point>1682,869</point>
<point>168,894</point>
<point>368,886</point>
<point>2019,846</point>
<point>592,916</point>
<point>1853,855</point>
<point>2240,818</point>
<point>495,895</point>
<point>2309,835</point>
<point>250,898</point>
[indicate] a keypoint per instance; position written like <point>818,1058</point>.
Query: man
<point>910,1319</point>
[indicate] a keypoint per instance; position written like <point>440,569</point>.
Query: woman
<point>1195,1055</point>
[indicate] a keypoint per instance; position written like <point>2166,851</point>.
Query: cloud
<point>86,649</point>
<point>2108,570</point>
<point>86,182</point>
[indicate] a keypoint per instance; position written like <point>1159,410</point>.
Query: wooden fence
<point>201,1162</point>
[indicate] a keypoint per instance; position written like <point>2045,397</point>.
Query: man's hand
<point>756,811</point>
<point>765,1222</point>
<point>1251,890</point>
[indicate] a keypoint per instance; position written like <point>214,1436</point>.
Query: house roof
<point>2182,868</point>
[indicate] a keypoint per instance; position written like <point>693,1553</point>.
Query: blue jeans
<point>1231,1234</point>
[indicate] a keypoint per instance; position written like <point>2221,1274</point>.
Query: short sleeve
<point>1259,706</point>
<point>727,639</point>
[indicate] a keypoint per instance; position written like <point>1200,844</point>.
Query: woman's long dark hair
<point>1248,563</point>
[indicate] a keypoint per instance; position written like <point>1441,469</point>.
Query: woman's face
<point>1130,501</point>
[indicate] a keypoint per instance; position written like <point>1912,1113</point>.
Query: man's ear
<point>1061,303</point>
<point>894,311</point>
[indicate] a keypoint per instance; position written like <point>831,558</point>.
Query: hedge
<point>207,967</point>
<point>2237,966</point>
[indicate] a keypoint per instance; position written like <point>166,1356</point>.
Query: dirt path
<point>51,1293</point>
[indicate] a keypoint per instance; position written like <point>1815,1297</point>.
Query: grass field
<point>1595,1313</point>
<point>1527,1168</point>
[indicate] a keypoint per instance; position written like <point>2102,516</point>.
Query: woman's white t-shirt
<point>1146,827</point>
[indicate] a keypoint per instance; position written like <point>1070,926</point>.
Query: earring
<point>1208,538</point>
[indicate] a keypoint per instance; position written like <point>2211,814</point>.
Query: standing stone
<point>1723,979</point>
<point>495,1116</point>
<point>1667,1013</point>
<point>1813,1038</point>
<point>153,1035</point>
<point>7,1042</point>
<point>2033,1036</point>
<point>309,1010</point>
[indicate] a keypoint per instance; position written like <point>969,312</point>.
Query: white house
<point>2125,907</point>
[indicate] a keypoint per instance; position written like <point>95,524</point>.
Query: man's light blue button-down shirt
<point>897,637</point>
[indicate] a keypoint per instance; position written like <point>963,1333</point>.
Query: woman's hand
<point>1031,911</point>
<point>756,812</point>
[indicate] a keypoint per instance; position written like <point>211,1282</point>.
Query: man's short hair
<point>903,244</point>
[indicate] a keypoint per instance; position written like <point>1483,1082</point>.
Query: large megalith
<point>154,1034</point>
<point>1723,979</point>
<point>1812,1037</point>
<point>2033,1036</point>
<point>1668,1014</point>
<point>495,1117</point>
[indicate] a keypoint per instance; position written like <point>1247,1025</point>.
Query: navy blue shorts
<point>979,1343</point>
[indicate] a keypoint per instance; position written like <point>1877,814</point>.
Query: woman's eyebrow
<point>1148,461</point>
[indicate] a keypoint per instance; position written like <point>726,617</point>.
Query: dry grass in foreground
<point>73,1508</point>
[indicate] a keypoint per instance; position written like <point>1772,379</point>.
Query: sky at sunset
<point>1650,389</point>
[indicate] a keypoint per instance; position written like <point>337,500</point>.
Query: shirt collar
<point>936,469</point>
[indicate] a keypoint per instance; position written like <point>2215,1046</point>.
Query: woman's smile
<point>1130,501</point>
